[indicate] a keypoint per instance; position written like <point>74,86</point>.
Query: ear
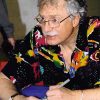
<point>76,20</point>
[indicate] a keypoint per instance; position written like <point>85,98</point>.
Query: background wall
<point>28,11</point>
<point>23,12</point>
<point>93,7</point>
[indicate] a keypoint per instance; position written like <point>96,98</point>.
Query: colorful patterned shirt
<point>35,62</point>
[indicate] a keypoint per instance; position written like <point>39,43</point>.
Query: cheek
<point>65,31</point>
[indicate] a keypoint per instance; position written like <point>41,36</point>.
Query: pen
<point>64,83</point>
<point>61,85</point>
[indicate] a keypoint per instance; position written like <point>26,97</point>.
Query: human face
<point>59,34</point>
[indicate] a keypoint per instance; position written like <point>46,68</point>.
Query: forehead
<point>53,10</point>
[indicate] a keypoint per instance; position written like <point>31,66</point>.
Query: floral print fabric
<point>35,62</point>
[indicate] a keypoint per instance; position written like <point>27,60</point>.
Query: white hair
<point>73,6</point>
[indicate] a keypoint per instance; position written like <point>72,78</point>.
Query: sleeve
<point>93,35</point>
<point>89,75</point>
<point>19,68</point>
<point>4,20</point>
<point>94,49</point>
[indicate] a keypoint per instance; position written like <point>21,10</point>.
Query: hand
<point>11,40</point>
<point>55,93</point>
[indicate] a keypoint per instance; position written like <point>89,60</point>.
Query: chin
<point>52,42</point>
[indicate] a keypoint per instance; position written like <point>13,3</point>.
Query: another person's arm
<point>7,89</point>
<point>5,24</point>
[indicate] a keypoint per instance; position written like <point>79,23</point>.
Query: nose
<point>46,27</point>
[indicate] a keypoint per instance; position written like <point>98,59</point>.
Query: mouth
<point>50,36</point>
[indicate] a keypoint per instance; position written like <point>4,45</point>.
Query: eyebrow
<point>51,16</point>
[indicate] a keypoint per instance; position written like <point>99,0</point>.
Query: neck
<point>71,41</point>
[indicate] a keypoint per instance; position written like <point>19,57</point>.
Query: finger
<point>11,41</point>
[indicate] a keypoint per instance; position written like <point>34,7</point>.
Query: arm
<point>64,93</point>
<point>11,69</point>
<point>93,76</point>
<point>7,27</point>
<point>7,89</point>
<point>6,83</point>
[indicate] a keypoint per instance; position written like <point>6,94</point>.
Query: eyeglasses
<point>53,22</point>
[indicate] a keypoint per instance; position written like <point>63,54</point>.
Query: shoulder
<point>89,29</point>
<point>93,30</point>
<point>89,36</point>
<point>93,37</point>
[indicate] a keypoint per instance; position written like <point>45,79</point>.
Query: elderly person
<point>65,45</point>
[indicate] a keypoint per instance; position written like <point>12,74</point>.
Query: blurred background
<point>23,12</point>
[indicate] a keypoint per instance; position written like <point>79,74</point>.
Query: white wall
<point>28,11</point>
